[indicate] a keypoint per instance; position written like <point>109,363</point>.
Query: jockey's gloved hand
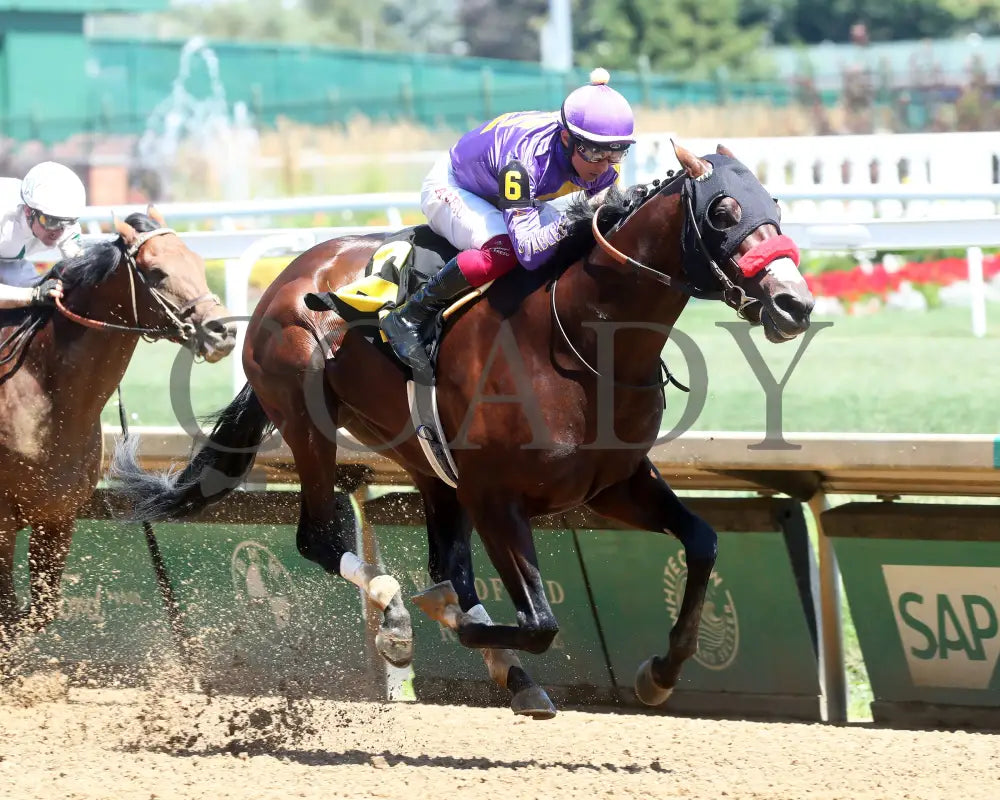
<point>46,292</point>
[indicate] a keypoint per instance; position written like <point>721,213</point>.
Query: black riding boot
<point>409,327</point>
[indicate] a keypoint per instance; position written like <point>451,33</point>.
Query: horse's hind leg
<point>326,534</point>
<point>450,559</point>
<point>645,501</point>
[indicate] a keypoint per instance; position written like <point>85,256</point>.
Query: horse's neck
<point>88,364</point>
<point>631,302</point>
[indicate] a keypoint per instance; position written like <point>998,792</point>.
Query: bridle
<point>728,292</point>
<point>180,330</point>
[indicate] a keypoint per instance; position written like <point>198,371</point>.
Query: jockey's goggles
<point>51,223</point>
<point>592,153</point>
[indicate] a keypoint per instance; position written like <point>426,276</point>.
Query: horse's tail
<point>215,470</point>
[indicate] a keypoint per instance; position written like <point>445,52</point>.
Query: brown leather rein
<point>729,293</point>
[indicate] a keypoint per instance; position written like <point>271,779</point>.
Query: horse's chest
<point>26,421</point>
<point>46,453</point>
<point>566,483</point>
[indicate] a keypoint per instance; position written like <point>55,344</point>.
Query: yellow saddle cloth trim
<point>370,293</point>
<point>399,251</point>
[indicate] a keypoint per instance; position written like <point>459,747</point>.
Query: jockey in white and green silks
<point>489,198</point>
<point>37,213</point>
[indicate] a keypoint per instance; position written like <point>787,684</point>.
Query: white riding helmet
<point>54,190</point>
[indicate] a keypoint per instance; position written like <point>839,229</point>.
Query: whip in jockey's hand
<point>489,196</point>
<point>37,213</point>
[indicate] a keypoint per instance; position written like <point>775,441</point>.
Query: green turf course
<point>892,372</point>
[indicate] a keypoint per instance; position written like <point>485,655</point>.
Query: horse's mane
<point>92,267</point>
<point>97,262</point>
<point>618,204</point>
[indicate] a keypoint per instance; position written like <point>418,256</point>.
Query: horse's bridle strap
<point>182,331</point>
<point>621,258</point>
<point>142,238</point>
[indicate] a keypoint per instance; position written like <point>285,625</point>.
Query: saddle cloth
<point>403,262</point>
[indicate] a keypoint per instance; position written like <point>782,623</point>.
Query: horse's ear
<point>155,215</point>
<point>722,150</point>
<point>693,165</point>
<point>126,231</point>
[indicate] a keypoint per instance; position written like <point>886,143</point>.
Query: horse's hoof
<point>398,651</point>
<point>647,689</point>
<point>436,599</point>
<point>532,701</point>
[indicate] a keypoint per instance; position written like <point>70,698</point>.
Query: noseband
<point>181,330</point>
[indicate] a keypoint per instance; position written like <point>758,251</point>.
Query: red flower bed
<point>853,284</point>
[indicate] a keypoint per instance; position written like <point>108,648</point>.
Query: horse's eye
<point>724,213</point>
<point>155,276</point>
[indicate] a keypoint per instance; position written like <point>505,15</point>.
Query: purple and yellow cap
<point>597,113</point>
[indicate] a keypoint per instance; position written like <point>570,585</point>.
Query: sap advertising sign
<point>948,622</point>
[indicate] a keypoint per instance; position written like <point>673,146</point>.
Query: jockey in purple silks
<point>488,197</point>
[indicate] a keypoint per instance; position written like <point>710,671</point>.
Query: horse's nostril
<point>793,305</point>
<point>218,328</point>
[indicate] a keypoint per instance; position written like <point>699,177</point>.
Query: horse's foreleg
<point>506,535</point>
<point>47,552</point>
<point>645,501</point>
<point>327,535</point>
<point>454,597</point>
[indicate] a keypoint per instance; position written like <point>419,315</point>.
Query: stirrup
<point>423,372</point>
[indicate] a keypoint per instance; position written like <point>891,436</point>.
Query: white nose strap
<point>784,270</point>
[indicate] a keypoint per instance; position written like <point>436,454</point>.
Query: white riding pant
<point>18,272</point>
<point>463,218</point>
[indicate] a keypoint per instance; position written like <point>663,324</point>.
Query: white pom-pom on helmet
<point>55,190</point>
<point>597,113</point>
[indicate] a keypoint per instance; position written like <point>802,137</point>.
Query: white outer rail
<point>244,247</point>
<point>392,202</point>
<point>871,234</point>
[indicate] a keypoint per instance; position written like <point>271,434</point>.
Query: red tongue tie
<point>759,256</point>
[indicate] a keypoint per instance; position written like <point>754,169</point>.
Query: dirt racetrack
<point>59,743</point>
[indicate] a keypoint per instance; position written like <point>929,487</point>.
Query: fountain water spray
<point>183,126</point>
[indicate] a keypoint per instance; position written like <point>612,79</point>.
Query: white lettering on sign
<point>492,589</point>
<point>75,607</point>
<point>948,622</point>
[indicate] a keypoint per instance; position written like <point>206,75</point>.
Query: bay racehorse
<point>565,433</point>
<point>58,367</point>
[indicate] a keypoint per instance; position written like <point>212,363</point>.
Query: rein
<point>664,370</point>
<point>18,340</point>
<point>731,294</point>
<point>182,331</point>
